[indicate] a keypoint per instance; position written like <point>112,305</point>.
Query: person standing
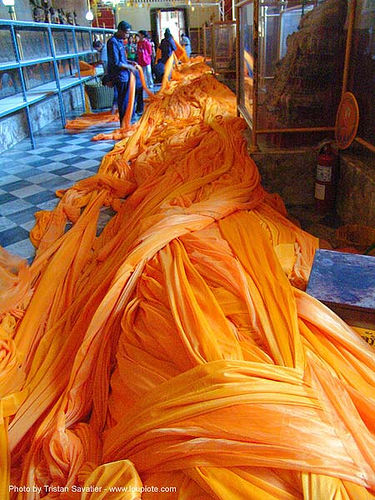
<point>102,51</point>
<point>118,67</point>
<point>167,47</point>
<point>131,49</point>
<point>185,42</point>
<point>144,57</point>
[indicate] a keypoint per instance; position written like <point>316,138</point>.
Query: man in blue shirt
<point>167,47</point>
<point>118,67</point>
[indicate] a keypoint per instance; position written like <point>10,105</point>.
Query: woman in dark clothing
<point>167,47</point>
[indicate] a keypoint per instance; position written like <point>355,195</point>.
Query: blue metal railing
<point>25,99</point>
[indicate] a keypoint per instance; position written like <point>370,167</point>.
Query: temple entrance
<point>174,19</point>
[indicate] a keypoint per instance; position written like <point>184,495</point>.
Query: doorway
<point>174,19</point>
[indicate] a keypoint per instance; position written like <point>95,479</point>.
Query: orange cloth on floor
<point>176,349</point>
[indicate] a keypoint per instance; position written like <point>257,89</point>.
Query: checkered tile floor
<point>30,177</point>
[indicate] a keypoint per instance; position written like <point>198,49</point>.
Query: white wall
<point>140,18</point>
<point>24,10</point>
<point>200,15</point>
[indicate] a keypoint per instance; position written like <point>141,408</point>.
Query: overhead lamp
<point>89,15</point>
<point>12,12</point>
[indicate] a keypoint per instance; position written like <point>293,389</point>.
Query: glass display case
<point>38,60</point>
<point>290,65</point>
<point>207,45</point>
<point>6,46</point>
<point>195,40</point>
<point>223,37</point>
<point>245,64</point>
<point>10,83</point>
<point>63,44</point>
<point>361,77</point>
<point>38,74</point>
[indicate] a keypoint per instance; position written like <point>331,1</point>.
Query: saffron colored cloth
<point>175,350</point>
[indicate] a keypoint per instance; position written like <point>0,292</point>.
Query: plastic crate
<point>100,96</point>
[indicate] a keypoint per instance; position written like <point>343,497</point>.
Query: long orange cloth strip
<point>177,349</point>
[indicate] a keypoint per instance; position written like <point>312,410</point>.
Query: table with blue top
<point>345,283</point>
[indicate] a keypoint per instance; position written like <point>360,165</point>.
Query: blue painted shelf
<point>55,43</point>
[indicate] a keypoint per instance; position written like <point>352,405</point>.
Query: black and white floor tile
<point>30,177</point>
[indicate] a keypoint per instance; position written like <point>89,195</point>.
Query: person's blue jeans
<point>122,97</point>
<point>159,71</point>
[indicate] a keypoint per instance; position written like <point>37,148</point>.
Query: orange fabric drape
<point>176,348</point>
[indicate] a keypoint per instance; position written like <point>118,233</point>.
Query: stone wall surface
<point>13,128</point>
<point>291,174</point>
<point>356,190</point>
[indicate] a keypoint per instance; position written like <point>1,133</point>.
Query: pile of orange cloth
<point>175,355</point>
<point>86,69</point>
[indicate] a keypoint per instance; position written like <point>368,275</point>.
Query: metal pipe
<point>284,130</point>
<point>30,24</point>
<point>213,48</point>
<point>254,139</point>
<point>79,70</point>
<point>366,144</point>
<point>12,13</point>
<point>348,47</point>
<point>57,77</point>
<point>238,59</point>
<point>23,85</point>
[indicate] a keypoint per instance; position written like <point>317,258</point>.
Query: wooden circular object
<point>347,119</point>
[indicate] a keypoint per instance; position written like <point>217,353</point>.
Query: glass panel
<point>80,41</point>
<point>6,46</point>
<point>301,58</point>
<point>70,41</point>
<point>246,14</point>
<point>91,58</point>
<point>9,83</point>
<point>362,71</point>
<point>67,67</point>
<point>194,34</point>
<point>207,41</point>
<point>38,74</point>
<point>289,24</point>
<point>224,54</point>
<point>33,44</point>
<point>86,40</point>
<point>61,42</point>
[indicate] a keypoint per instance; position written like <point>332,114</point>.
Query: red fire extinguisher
<point>326,178</point>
